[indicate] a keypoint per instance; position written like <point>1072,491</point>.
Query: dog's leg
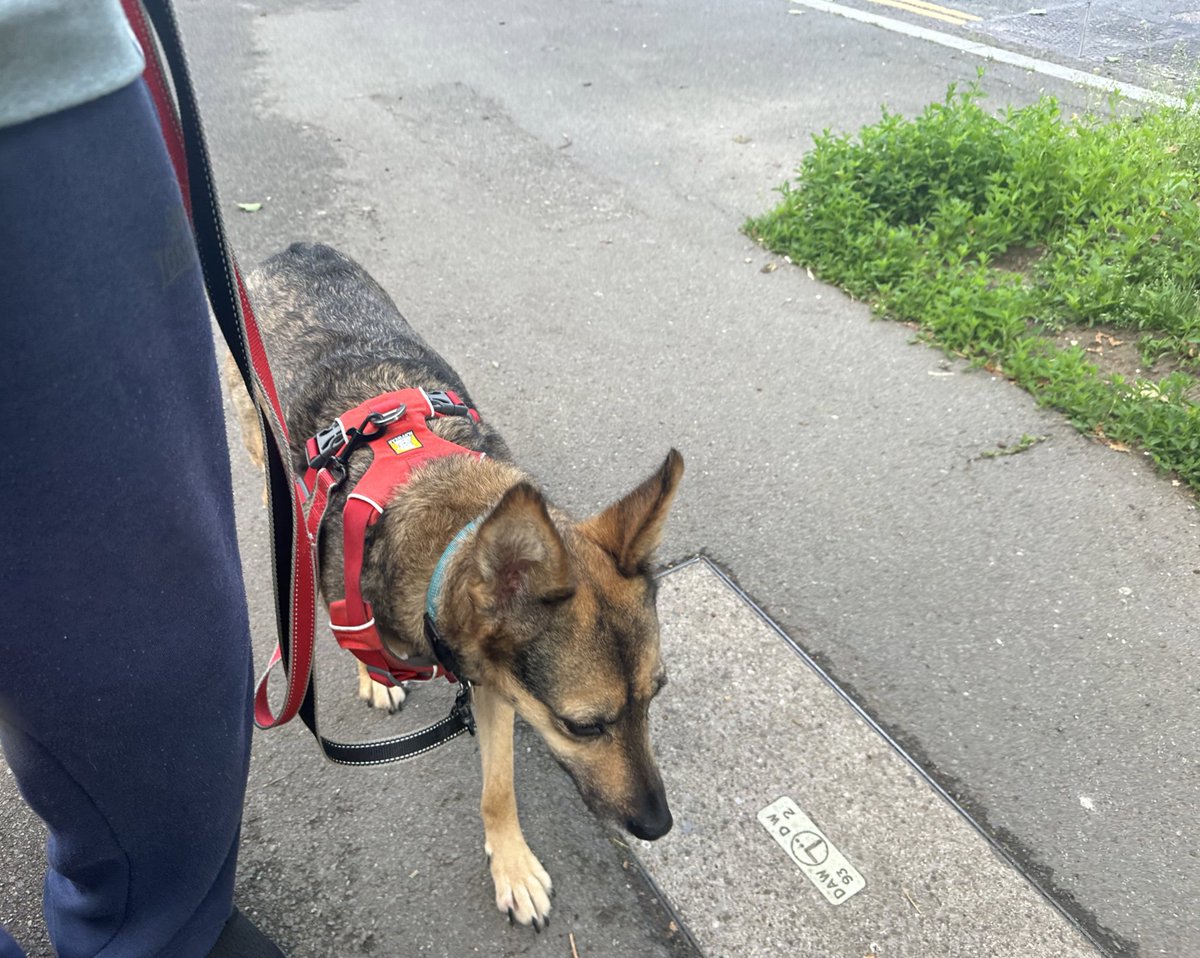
<point>522,885</point>
<point>246,413</point>
<point>247,416</point>
<point>378,695</point>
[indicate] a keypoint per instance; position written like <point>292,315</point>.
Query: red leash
<point>227,295</point>
<point>295,522</point>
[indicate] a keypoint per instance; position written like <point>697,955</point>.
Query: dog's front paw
<point>522,885</point>
<point>378,695</point>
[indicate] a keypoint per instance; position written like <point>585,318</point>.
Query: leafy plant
<point>920,216</point>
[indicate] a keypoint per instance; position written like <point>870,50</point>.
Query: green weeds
<point>1025,443</point>
<point>997,232</point>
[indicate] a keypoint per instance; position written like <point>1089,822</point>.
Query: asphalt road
<point>553,194</point>
<point>1142,41</point>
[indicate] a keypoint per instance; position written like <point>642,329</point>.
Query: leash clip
<point>334,449</point>
<point>384,418</point>
<point>461,710</point>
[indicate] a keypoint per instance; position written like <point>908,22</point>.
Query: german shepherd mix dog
<point>547,617</point>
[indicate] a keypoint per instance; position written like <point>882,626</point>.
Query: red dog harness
<point>395,428</point>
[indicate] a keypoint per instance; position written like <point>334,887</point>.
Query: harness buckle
<point>444,405</point>
<point>325,444</point>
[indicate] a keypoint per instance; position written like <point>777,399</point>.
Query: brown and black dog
<point>549,618</point>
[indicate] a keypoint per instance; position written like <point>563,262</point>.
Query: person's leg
<point>124,655</point>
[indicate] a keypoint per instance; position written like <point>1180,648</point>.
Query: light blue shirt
<point>56,54</point>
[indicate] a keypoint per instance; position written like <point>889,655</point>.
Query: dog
<point>549,618</point>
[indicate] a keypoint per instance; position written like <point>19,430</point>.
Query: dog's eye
<point>584,731</point>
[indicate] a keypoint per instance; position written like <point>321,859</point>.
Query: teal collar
<point>432,594</point>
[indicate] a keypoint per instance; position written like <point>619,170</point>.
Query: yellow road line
<point>950,10</point>
<point>930,10</point>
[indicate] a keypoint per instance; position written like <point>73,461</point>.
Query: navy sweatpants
<point>124,650</point>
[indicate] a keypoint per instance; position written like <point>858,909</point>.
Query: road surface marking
<point>954,42</point>
<point>813,853</point>
<point>947,14</point>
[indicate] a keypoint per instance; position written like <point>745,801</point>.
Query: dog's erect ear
<point>630,530</point>
<point>518,553</point>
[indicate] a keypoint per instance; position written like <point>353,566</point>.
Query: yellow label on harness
<point>405,442</point>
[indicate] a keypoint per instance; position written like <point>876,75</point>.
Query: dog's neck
<point>407,541</point>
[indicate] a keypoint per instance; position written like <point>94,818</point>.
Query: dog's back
<point>339,339</point>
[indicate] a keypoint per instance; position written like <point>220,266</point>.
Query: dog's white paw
<point>522,886</point>
<point>379,696</point>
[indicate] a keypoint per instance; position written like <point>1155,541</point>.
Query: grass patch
<point>1003,235</point>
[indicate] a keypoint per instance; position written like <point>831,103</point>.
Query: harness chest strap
<point>403,442</point>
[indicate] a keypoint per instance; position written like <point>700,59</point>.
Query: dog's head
<point>563,624</point>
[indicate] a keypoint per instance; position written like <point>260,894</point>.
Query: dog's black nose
<point>654,820</point>
<point>650,828</point>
